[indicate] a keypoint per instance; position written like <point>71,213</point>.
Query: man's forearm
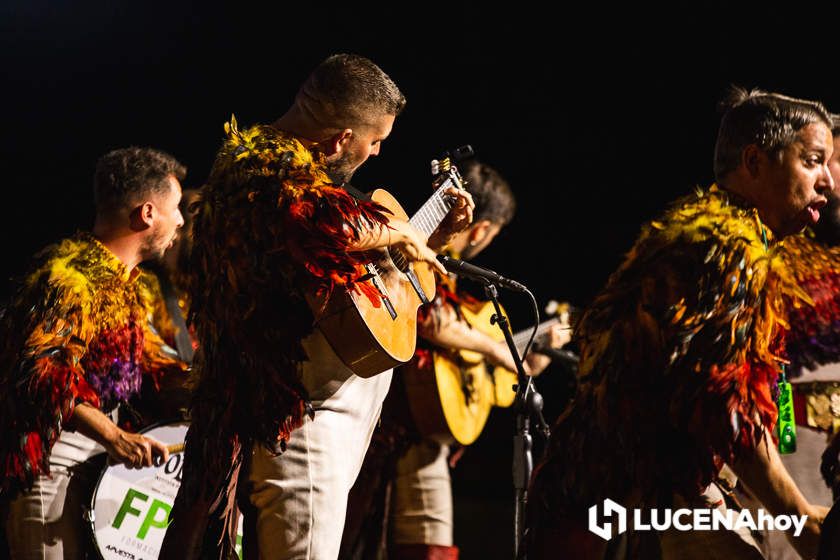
<point>449,332</point>
<point>93,423</point>
<point>762,470</point>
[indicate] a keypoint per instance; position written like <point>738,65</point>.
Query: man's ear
<point>143,216</point>
<point>752,158</point>
<point>478,231</point>
<point>338,142</point>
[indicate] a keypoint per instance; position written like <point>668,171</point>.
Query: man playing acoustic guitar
<point>273,400</point>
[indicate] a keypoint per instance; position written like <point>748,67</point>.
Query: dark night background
<point>597,120</point>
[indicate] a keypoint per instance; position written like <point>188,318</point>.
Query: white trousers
<point>300,496</point>
<point>422,509</point>
<point>47,523</point>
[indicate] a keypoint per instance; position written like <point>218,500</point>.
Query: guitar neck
<point>522,337</point>
<point>432,213</point>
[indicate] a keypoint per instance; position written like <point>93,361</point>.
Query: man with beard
<point>682,353</point>
<point>75,343</point>
<point>273,400</point>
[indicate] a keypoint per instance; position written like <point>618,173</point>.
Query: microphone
<point>477,273</point>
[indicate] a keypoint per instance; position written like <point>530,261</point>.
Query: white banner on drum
<point>131,506</point>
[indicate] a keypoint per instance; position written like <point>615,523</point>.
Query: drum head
<point>131,506</point>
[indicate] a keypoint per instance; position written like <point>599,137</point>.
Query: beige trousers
<point>47,522</point>
<point>299,497</point>
<point>422,508</point>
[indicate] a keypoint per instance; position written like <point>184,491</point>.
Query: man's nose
<point>825,182</point>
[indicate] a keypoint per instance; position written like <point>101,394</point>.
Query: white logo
<point>605,531</point>
<point>690,520</point>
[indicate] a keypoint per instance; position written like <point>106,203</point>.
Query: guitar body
<point>367,337</point>
<point>502,378</point>
<point>454,401</point>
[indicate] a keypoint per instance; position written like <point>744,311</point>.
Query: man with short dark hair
<point>74,345</point>
<point>681,353</point>
<point>273,399</point>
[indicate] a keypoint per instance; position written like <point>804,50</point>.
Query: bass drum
<point>129,510</point>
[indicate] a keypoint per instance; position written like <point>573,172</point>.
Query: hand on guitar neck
<point>535,363</point>
<point>407,239</point>
<point>557,337</point>
<point>458,219</point>
<point>447,331</point>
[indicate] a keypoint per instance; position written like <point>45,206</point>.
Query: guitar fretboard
<point>432,213</point>
<point>521,338</point>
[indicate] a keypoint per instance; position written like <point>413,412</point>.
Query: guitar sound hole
<point>467,386</point>
<point>399,260</point>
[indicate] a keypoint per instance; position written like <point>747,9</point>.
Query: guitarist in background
<point>420,512</point>
<point>275,412</point>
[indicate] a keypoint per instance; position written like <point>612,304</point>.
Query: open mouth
<point>814,210</point>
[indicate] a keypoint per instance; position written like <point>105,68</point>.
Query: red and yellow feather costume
<point>78,330</point>
<point>269,223</point>
<point>680,357</point>
<point>814,337</point>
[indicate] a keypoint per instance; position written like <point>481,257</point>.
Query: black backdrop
<point>597,117</point>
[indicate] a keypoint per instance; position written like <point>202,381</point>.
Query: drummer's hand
<point>135,450</point>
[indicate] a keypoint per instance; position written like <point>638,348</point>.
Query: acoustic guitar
<point>454,401</point>
<point>371,337</point>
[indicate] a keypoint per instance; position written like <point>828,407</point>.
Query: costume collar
<point>108,260</point>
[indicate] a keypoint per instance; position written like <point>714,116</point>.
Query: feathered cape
<point>680,356</point>
<point>78,330</point>
<point>269,223</point>
<point>814,337</point>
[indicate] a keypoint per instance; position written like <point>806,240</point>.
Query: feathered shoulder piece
<point>72,334</point>
<point>680,356</point>
<point>267,169</point>
<point>709,256</point>
<point>814,337</point>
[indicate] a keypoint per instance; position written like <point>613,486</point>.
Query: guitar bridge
<point>415,283</point>
<point>376,280</point>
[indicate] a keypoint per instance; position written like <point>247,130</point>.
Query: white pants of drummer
<point>47,522</point>
<point>300,496</point>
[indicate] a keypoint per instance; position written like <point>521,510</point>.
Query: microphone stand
<point>528,401</point>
